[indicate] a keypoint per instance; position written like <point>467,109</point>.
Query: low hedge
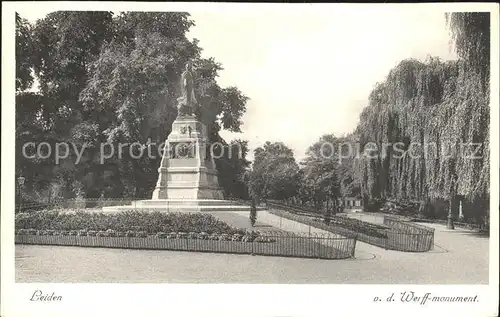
<point>249,236</point>
<point>358,226</point>
<point>133,220</point>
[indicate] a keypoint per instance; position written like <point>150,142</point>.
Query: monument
<point>187,169</point>
<point>187,175</point>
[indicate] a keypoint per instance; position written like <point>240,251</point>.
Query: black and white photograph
<point>251,146</point>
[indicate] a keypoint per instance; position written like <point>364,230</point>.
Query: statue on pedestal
<point>187,101</point>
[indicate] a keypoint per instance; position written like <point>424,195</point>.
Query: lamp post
<point>20,183</point>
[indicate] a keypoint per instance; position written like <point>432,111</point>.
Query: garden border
<point>322,246</point>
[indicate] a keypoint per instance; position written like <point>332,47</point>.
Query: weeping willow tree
<point>427,124</point>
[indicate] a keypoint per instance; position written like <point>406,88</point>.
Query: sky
<point>309,70</point>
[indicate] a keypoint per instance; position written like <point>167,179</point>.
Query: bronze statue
<point>187,101</point>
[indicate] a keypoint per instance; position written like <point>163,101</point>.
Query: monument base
<point>182,205</point>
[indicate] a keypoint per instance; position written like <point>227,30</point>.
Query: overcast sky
<point>308,70</point>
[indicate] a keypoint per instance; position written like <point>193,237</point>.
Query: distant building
<point>351,202</point>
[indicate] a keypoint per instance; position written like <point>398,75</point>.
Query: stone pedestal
<point>187,170</point>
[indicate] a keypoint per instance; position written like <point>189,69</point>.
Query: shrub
<point>263,239</point>
<point>246,238</point>
<point>21,231</point>
<point>161,235</point>
<point>111,233</point>
<point>202,236</point>
<point>82,233</point>
<point>236,237</point>
<point>91,233</point>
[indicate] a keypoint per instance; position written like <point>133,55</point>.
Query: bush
<point>82,233</point>
<point>161,235</point>
<point>202,236</point>
<point>111,233</point>
<point>236,237</point>
<point>250,236</point>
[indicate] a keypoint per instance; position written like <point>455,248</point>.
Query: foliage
<point>275,173</point>
<point>471,36</point>
<point>232,167</point>
<point>24,51</point>
<point>441,105</point>
<point>252,236</point>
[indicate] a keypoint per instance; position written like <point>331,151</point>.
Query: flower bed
<point>249,236</point>
<point>137,221</point>
<point>357,226</point>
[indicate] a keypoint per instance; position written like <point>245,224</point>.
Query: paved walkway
<point>459,257</point>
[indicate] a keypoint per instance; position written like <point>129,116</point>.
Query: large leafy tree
<point>24,54</point>
<point>232,165</point>
<point>327,172</point>
<point>274,172</point>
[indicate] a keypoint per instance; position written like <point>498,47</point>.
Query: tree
<point>24,53</point>
<point>327,172</point>
<point>445,104</point>
<point>274,173</point>
<point>471,38</point>
<point>232,167</point>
